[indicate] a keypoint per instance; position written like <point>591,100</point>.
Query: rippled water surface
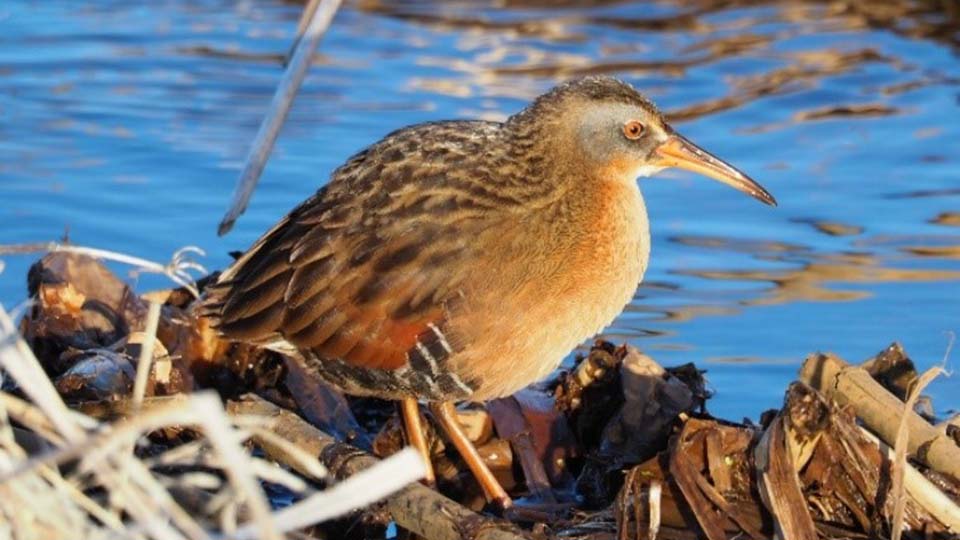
<point>126,123</point>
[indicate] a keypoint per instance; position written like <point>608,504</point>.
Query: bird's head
<point>616,131</point>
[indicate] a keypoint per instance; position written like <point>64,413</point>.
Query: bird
<point>464,260</point>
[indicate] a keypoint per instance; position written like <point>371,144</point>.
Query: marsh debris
<point>615,447</point>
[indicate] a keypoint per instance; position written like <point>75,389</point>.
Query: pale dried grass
<point>89,484</point>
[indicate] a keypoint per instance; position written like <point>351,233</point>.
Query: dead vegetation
<point>80,457</point>
<point>230,441</point>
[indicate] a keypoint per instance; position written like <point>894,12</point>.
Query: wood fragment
<point>477,425</point>
<point>596,369</point>
<point>923,492</point>
<point>625,415</point>
<point>847,479</point>
<point>324,406</point>
<point>652,401</point>
<point>717,512</point>
<point>893,369</point>
<point>653,497</point>
<point>780,487</point>
<point>512,426</point>
<point>881,411</point>
<point>638,481</point>
<point>685,476</point>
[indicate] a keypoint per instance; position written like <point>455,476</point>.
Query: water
<point>126,125</point>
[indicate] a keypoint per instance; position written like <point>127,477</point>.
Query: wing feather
<point>347,280</point>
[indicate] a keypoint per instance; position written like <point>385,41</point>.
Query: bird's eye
<point>633,130</point>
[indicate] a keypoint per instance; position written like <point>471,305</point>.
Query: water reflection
<point>831,228</point>
<point>950,219</point>
<point>129,124</point>
<point>809,281</point>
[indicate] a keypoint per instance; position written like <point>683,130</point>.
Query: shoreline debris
<point>617,447</point>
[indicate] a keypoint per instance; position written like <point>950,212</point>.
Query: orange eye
<point>633,129</point>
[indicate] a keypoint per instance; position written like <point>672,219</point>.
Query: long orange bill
<point>679,152</point>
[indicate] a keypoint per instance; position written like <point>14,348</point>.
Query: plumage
<point>464,259</point>
<point>512,241</point>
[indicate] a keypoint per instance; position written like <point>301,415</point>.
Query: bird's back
<point>367,273</point>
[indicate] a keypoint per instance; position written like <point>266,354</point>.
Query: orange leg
<point>446,416</point>
<point>413,427</point>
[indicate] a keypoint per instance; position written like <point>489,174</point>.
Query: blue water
<point>126,125</point>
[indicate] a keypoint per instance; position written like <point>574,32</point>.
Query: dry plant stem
<point>654,495</point>
<point>176,269</point>
<point>385,477</point>
<point>11,451</point>
<point>282,101</point>
<point>308,11</point>
<point>143,373</point>
<point>142,495</point>
<point>33,419</point>
<point>922,491</point>
<point>415,508</point>
<point>197,453</point>
<point>145,500</point>
<point>33,380</point>
<point>413,429</point>
<point>146,356</point>
<point>446,416</point>
<point>286,452</point>
<point>880,410</point>
<point>228,444</point>
<point>8,443</point>
<point>900,453</point>
<point>203,409</point>
<point>89,505</point>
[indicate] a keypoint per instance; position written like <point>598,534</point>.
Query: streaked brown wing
<point>371,264</point>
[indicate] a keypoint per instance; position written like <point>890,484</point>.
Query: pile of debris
<point>617,447</point>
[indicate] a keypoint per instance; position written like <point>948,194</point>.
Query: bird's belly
<point>521,336</point>
<point>599,277</point>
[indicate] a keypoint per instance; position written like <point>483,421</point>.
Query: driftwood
<point>881,411</point>
<point>415,508</point>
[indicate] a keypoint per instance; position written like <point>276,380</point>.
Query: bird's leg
<point>446,416</point>
<point>413,428</point>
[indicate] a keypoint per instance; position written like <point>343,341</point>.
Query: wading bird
<point>463,260</point>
